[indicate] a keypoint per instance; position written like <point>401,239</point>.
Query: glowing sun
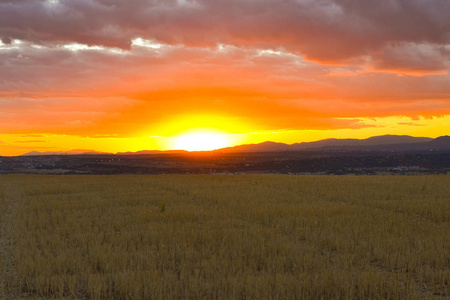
<point>202,141</point>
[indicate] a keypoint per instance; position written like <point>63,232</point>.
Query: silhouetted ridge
<point>376,143</point>
<point>442,140</point>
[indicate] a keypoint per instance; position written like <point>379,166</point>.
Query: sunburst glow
<point>202,141</point>
<point>203,76</point>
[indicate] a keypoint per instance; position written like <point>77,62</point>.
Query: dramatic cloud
<point>112,67</point>
<point>326,30</point>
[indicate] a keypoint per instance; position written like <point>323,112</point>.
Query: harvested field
<point>225,237</point>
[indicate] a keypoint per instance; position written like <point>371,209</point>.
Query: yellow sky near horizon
<point>197,74</point>
<point>18,144</point>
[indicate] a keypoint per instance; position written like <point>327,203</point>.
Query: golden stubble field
<point>225,237</point>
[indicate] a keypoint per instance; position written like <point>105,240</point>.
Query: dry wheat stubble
<point>214,237</point>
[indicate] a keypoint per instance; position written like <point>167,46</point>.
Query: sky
<point>116,76</point>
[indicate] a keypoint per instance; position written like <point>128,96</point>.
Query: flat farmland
<point>224,237</point>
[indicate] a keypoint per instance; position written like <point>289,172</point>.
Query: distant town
<point>365,157</point>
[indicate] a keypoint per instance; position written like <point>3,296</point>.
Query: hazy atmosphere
<point>212,149</point>
<point>110,75</point>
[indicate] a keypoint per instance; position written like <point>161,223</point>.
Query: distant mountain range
<point>398,142</point>
<point>376,143</point>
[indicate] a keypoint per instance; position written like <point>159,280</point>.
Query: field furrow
<point>216,237</point>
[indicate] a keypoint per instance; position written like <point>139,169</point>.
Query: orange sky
<point>112,75</point>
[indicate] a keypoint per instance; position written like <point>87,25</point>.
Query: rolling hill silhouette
<point>376,143</point>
